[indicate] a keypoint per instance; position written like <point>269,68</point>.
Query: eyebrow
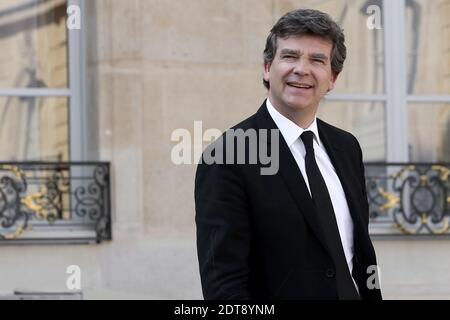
<point>319,56</point>
<point>290,51</point>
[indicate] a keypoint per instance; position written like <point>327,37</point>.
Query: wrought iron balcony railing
<point>409,198</point>
<point>55,202</point>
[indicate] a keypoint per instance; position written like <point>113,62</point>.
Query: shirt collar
<point>290,131</point>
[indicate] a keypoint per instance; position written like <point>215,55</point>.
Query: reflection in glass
<point>363,119</point>
<point>33,44</point>
<point>429,132</point>
<point>428,46</point>
<point>34,129</point>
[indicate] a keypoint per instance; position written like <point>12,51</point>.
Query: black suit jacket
<point>258,236</point>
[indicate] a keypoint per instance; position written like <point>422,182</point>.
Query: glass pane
<point>365,120</point>
<point>34,128</point>
<point>429,132</point>
<point>33,44</point>
<point>363,69</point>
<point>428,46</point>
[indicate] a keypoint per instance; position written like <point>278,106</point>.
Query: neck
<point>303,117</point>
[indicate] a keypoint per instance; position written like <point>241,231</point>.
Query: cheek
<point>277,77</point>
<point>282,71</point>
<point>327,79</point>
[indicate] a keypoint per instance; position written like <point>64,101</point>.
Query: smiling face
<point>300,75</point>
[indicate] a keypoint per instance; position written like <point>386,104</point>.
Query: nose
<point>302,67</point>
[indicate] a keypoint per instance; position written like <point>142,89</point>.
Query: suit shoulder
<point>225,142</point>
<point>339,133</point>
<point>249,123</point>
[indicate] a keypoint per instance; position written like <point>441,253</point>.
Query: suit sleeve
<point>374,294</point>
<point>223,231</point>
<point>362,177</point>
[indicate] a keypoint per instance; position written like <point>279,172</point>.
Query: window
<point>393,94</point>
<point>427,32</point>
<point>33,63</point>
<point>44,195</point>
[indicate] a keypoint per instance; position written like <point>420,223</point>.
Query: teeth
<point>303,86</point>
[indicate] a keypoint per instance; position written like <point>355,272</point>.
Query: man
<point>301,233</point>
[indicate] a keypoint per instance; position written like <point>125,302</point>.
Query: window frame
<point>395,97</point>
<point>396,100</point>
<point>75,92</point>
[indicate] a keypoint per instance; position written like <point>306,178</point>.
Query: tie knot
<point>307,138</point>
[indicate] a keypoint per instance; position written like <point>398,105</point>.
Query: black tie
<point>321,198</point>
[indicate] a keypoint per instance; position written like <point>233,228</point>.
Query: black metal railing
<point>70,202</point>
<point>51,202</point>
<point>408,198</point>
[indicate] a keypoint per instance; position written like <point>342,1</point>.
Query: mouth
<point>299,85</point>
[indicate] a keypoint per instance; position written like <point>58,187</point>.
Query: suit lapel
<point>292,176</point>
<point>338,157</point>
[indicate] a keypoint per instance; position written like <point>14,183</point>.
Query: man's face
<point>300,73</point>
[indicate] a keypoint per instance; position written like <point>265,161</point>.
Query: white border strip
<point>37,92</point>
<point>76,74</point>
<point>429,98</point>
<point>395,81</point>
<point>355,97</point>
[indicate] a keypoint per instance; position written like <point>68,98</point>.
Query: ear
<point>332,81</point>
<point>267,70</point>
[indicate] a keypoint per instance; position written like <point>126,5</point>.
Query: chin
<point>297,106</point>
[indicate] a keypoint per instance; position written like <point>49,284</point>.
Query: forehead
<point>306,43</point>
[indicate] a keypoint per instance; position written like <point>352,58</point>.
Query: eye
<point>319,61</point>
<point>289,56</point>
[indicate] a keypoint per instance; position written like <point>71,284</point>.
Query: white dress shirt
<point>291,133</point>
